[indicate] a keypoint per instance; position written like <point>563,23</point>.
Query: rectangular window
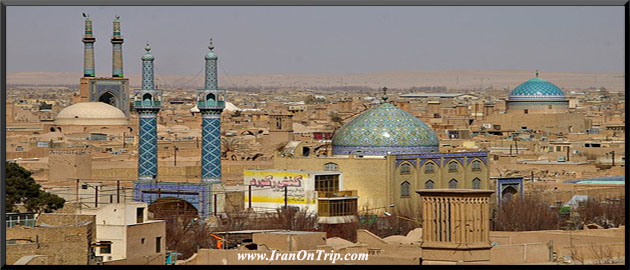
<point>158,244</point>
<point>140,215</point>
<point>142,241</point>
<point>107,249</point>
<point>327,184</point>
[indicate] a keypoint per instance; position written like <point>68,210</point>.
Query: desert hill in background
<point>452,79</point>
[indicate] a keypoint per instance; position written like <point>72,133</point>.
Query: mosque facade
<point>386,154</point>
<point>112,90</point>
<point>204,196</point>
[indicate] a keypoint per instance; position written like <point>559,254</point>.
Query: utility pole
<point>124,141</point>
<point>175,156</point>
<point>568,152</point>
<point>613,158</point>
<point>95,196</point>
<point>76,190</point>
<point>77,204</point>
<point>117,191</point>
<point>286,188</point>
<point>250,196</point>
<point>215,204</point>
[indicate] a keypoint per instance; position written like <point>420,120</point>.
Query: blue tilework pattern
<point>211,148</point>
<point>384,129</point>
<point>197,194</point>
<point>147,149</point>
<point>147,70</point>
<point>535,89</point>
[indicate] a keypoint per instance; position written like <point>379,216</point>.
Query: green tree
<point>22,188</point>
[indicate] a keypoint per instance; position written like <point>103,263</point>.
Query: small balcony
<point>148,104</point>
<point>211,104</point>
<point>337,207</point>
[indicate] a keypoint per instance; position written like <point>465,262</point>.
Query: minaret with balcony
<point>117,56</point>
<point>211,102</point>
<point>147,103</point>
<point>88,48</point>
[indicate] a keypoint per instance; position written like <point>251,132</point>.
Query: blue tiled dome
<point>536,89</point>
<point>384,129</point>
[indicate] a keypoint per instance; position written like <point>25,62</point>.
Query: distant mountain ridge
<point>452,79</point>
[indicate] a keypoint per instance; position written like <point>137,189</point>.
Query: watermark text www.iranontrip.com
<point>303,255</point>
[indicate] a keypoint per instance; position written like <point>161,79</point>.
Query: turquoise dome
<point>536,89</point>
<point>384,129</point>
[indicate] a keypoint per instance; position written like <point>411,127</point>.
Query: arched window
<point>210,97</point>
<point>146,97</point>
<point>476,183</point>
<point>452,183</point>
<point>476,165</point>
<point>429,184</point>
<point>429,167</point>
<point>331,167</point>
<point>452,166</point>
<point>404,189</point>
<point>405,169</point>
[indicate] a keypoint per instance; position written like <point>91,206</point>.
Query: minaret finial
<point>384,94</point>
<point>536,73</point>
<point>211,46</point>
<point>147,48</point>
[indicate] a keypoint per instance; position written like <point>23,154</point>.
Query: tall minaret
<point>210,102</point>
<point>88,48</point>
<point>147,103</point>
<point>117,57</point>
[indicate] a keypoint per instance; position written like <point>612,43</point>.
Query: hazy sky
<point>324,40</point>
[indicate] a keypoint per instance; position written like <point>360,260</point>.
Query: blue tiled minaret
<point>147,104</point>
<point>88,48</point>
<point>210,102</point>
<point>117,57</point>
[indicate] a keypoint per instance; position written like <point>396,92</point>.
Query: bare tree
<point>605,213</point>
<point>528,214</point>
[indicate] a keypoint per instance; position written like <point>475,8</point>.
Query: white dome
<point>91,113</point>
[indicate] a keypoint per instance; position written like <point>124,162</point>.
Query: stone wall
<point>64,245</point>
<point>69,164</point>
<point>141,251</point>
